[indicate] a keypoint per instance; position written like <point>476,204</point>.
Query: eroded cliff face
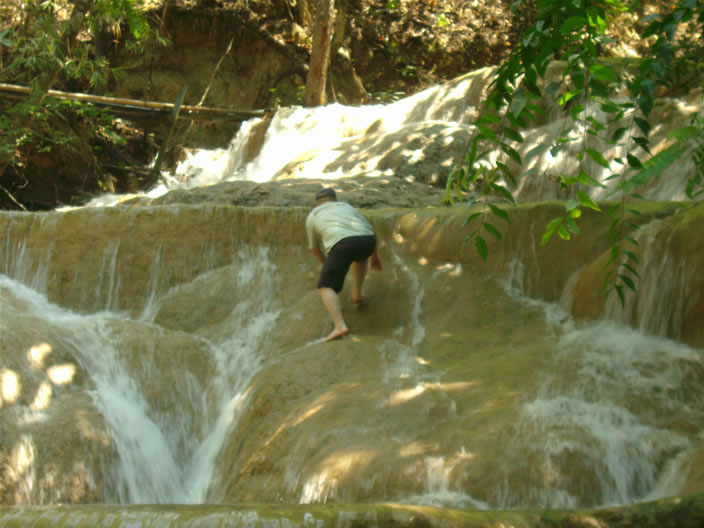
<point>172,354</point>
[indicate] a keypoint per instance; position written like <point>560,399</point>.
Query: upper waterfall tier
<point>421,138</point>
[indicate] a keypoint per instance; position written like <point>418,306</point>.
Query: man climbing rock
<point>348,239</point>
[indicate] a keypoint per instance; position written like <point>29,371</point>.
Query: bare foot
<point>336,334</point>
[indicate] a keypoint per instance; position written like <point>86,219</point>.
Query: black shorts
<point>341,257</point>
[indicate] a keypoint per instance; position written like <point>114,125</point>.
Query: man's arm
<point>318,254</point>
<point>375,260</point>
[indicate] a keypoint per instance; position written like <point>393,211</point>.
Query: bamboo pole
<point>131,104</point>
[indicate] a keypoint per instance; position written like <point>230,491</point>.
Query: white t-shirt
<point>333,221</point>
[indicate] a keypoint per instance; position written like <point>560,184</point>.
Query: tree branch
<point>9,194</point>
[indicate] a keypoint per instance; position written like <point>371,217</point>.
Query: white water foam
<point>438,489</point>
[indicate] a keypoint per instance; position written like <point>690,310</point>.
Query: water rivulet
<point>172,354</point>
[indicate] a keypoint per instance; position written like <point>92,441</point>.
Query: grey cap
<point>326,192</point>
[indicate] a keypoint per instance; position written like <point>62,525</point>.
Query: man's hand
<point>319,255</point>
<point>376,262</point>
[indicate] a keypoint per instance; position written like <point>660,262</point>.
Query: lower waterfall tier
<point>173,355</point>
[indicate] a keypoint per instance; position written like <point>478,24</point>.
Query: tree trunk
<point>320,54</point>
<point>302,16</point>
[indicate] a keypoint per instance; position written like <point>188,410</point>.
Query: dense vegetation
<point>56,44</point>
<point>576,32</point>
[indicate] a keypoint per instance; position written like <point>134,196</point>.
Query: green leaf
<point>653,28</point>
<point>556,149</point>
<point>500,189</point>
<point>655,166</point>
<point>615,251</point>
<point>550,230</point>
<point>643,124</point>
<point>597,17</point>
<point>492,230</point>
<point>576,110</point>
<point>488,133</point>
<point>534,170</point>
<point>566,97</point>
<point>573,23</point>
<point>518,103</point>
<point>642,143</point>
<point>684,133</point>
<point>480,246</point>
<point>646,103</point>
<point>489,118</point>
<point>471,156</point>
<point>634,162</point>
<point>563,233</point>
<point>603,73</point>
<point>5,41</point>
<point>512,134</point>
<point>630,268</point>
<point>499,212</point>
<point>537,151</point>
<point>596,156</point>
<point>586,200</point>
<point>621,296</point>
<point>631,256</point>
<point>572,226</point>
<point>506,172</point>
<point>627,281</point>
<point>512,153</point>
<point>610,107</point>
<point>470,218</point>
<point>597,126</point>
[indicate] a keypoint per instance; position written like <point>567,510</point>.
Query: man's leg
<point>359,271</point>
<point>331,301</point>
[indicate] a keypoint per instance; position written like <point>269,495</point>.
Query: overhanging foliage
<point>573,32</point>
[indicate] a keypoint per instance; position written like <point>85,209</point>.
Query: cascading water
<point>597,416</point>
<point>600,426</point>
<point>421,138</point>
<point>166,453</point>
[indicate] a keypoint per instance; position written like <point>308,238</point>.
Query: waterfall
<point>592,412</point>
<point>660,305</point>
<point>420,138</point>
<point>172,354</point>
<point>167,445</point>
<point>607,404</point>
